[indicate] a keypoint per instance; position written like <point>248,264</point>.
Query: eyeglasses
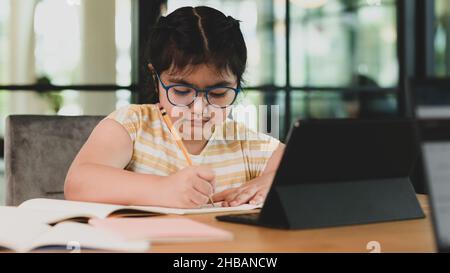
<point>185,95</point>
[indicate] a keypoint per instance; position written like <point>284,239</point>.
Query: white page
<point>87,237</point>
<point>17,234</point>
<point>81,209</point>
<point>35,215</point>
<point>203,210</point>
<point>104,210</point>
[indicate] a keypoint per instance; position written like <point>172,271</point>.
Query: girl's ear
<point>155,79</point>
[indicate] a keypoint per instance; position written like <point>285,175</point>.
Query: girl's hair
<point>191,36</point>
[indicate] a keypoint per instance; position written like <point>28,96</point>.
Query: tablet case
<point>343,172</point>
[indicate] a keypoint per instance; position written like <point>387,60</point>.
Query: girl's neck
<point>195,147</point>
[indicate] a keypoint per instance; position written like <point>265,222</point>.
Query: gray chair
<point>38,154</point>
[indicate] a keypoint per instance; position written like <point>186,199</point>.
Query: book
<point>25,235</point>
<point>54,211</point>
<point>161,229</point>
<point>34,215</point>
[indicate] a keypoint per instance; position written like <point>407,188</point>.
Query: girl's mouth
<point>199,122</point>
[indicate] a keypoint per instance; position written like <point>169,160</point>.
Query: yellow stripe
<point>157,163</point>
<point>157,147</point>
<point>245,174</point>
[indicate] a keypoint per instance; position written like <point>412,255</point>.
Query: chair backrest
<point>427,100</point>
<point>38,154</point>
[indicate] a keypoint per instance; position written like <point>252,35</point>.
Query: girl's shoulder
<point>139,120</point>
<point>136,113</point>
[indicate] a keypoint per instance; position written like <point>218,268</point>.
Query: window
<point>441,38</point>
<point>341,42</point>
<point>70,44</point>
<point>4,33</point>
<point>341,48</point>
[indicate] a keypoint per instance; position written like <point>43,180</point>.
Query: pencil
<point>178,140</point>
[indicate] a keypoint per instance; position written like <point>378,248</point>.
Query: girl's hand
<point>188,188</point>
<point>253,192</point>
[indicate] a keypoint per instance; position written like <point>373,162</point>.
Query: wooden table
<point>401,236</point>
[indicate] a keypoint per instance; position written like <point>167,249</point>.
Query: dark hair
<point>193,36</point>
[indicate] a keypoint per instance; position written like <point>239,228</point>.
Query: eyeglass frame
<point>197,91</point>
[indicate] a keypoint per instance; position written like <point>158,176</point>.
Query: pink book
<point>161,229</point>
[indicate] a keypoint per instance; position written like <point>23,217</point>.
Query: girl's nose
<point>199,104</point>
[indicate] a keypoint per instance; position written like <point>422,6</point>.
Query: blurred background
<point>313,58</point>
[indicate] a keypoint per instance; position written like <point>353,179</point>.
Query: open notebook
<point>54,211</point>
<point>24,235</point>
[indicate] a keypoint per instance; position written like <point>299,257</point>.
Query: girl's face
<point>195,122</point>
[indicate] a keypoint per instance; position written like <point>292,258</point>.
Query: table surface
<point>400,236</point>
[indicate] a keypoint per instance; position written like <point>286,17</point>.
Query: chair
<point>428,101</point>
<point>38,154</point>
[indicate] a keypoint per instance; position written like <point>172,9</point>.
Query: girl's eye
<point>219,94</point>
<point>182,92</point>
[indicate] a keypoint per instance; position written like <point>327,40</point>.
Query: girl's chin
<point>195,130</point>
<point>198,124</point>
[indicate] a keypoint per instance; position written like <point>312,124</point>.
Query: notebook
<point>24,235</point>
<point>54,211</point>
<point>34,215</point>
<point>161,229</point>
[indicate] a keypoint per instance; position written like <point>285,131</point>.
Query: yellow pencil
<point>178,140</point>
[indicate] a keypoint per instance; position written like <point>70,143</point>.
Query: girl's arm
<point>97,175</point>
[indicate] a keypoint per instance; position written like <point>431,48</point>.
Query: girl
<point>197,57</point>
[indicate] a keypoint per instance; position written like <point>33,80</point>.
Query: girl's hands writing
<point>188,188</point>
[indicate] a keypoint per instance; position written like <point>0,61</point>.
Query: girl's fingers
<point>203,187</point>
<point>198,198</point>
<point>257,199</point>
<point>205,173</point>
<point>230,197</point>
<point>222,195</point>
<point>237,196</point>
<point>244,196</point>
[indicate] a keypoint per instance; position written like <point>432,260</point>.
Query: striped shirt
<point>236,153</point>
